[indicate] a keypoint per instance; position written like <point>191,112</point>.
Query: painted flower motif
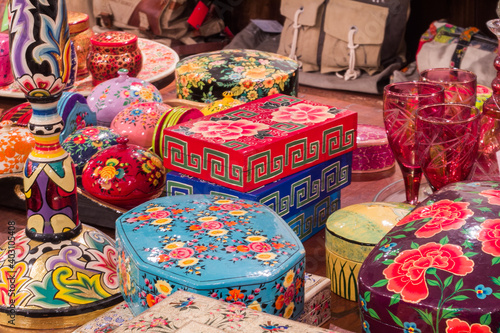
<point>492,195</point>
<point>255,306</point>
<point>256,239</point>
<point>188,262</point>
<point>267,256</point>
<point>287,282</point>
<point>163,287</point>
<point>444,215</point>
<point>161,221</point>
<point>411,328</point>
<point>366,326</point>
<point>456,325</point>
<point>289,310</point>
<point>226,129</point>
<point>256,72</point>
<point>212,225</point>
<point>90,131</point>
<point>362,302</point>
<point>489,235</point>
<point>280,302</point>
<point>289,294</point>
<point>159,214</point>
<point>387,247</point>
<point>174,245</point>
<point>181,252</point>
<point>217,232</point>
<point>406,274</point>
<point>482,291</point>
<point>207,219</point>
<point>260,247</point>
<point>235,295</point>
<point>237,212</point>
<point>302,113</point>
<point>231,206</point>
<point>40,85</point>
<point>106,262</point>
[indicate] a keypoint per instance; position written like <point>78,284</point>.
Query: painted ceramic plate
<point>159,61</point>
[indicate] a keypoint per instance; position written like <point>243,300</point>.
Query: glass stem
<point>412,178</point>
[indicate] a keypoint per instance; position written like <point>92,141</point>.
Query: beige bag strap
<point>296,26</point>
<point>351,72</point>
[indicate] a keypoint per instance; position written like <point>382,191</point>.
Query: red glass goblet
<point>401,100</point>
<point>447,142</point>
<point>459,85</point>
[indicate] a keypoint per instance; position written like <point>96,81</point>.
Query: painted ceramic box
<point>185,312</point>
<point>246,74</point>
<point>438,269</point>
<point>351,233</point>
<point>236,250</point>
<point>372,152</point>
<point>287,196</point>
<point>316,308</point>
<point>256,143</point>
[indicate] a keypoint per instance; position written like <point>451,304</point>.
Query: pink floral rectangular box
<point>316,308</point>
<point>187,312</point>
<point>317,298</point>
<point>256,143</point>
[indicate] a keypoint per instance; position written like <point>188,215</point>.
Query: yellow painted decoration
<point>343,274</point>
<point>80,290</point>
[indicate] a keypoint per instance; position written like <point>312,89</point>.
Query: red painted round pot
<point>124,175</point>
<point>111,51</point>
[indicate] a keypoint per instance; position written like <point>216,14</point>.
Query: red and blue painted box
<point>259,142</point>
<point>236,250</point>
<point>287,196</point>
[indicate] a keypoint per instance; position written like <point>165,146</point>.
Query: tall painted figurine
<point>57,272</point>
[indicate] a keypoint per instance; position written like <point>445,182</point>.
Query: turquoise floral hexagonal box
<point>236,250</point>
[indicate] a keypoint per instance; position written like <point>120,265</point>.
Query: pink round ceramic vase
<point>112,96</point>
<point>111,51</point>
<point>124,175</point>
<point>16,143</point>
<point>137,122</point>
<point>6,76</point>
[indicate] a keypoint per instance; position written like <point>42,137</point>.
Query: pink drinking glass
<point>401,101</point>
<point>459,85</point>
<point>447,142</point>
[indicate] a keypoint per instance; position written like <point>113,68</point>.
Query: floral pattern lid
<point>246,74</point>
<point>191,238</point>
<point>438,269</point>
<point>110,97</point>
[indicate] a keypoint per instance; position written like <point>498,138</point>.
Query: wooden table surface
<point>363,188</point>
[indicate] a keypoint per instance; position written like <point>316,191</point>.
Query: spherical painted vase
<point>16,144</point>
<point>112,96</point>
<point>20,114</point>
<point>137,122</point>
<point>86,142</point>
<point>111,51</point>
<point>6,76</point>
<point>124,175</point>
